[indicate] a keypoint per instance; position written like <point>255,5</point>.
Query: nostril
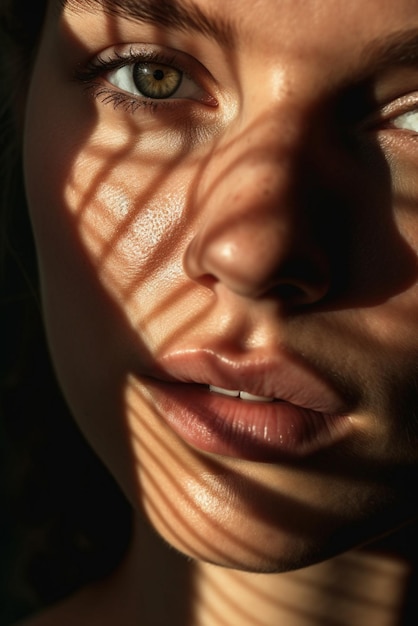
<point>295,295</point>
<point>287,291</point>
<point>303,281</point>
<point>207,280</point>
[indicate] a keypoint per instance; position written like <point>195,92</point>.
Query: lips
<point>282,376</point>
<point>265,410</point>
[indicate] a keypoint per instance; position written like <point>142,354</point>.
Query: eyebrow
<point>171,14</point>
<point>397,49</point>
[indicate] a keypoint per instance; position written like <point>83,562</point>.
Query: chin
<point>223,524</point>
<point>254,554</point>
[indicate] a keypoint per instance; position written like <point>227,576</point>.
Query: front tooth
<point>249,396</point>
<point>226,392</point>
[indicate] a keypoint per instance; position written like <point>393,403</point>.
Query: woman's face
<point>225,194</point>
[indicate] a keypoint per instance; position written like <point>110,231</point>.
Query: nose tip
<point>259,204</point>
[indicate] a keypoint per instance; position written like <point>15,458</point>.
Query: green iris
<point>154,80</point>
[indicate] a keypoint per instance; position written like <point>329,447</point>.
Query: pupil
<point>158,74</point>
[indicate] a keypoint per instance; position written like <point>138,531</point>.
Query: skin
<point>283,217</point>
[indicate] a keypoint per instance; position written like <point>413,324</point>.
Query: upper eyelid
<point>115,58</point>
<point>400,105</point>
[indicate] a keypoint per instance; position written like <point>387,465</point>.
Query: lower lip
<point>256,431</point>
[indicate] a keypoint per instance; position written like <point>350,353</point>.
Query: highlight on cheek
<point>122,227</point>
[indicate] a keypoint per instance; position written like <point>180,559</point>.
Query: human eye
<point>407,121</point>
<point>139,77</point>
<point>401,114</point>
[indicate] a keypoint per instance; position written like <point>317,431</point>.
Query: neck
<point>355,588</point>
<point>155,585</point>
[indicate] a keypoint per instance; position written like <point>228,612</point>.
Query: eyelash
<point>98,67</point>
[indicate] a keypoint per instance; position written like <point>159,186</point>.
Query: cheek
<point>130,222</point>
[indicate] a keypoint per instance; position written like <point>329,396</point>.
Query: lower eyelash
<point>119,99</point>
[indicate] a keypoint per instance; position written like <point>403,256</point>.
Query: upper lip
<point>282,376</point>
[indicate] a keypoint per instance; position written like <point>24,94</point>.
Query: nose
<point>257,234</point>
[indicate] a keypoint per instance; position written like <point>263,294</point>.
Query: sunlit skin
<point>269,213</point>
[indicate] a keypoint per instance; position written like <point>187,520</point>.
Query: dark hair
<point>22,21</point>
<point>59,492</point>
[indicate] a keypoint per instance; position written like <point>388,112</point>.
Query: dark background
<point>18,318</point>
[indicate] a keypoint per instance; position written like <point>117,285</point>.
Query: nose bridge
<point>253,172</point>
<point>254,233</point>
